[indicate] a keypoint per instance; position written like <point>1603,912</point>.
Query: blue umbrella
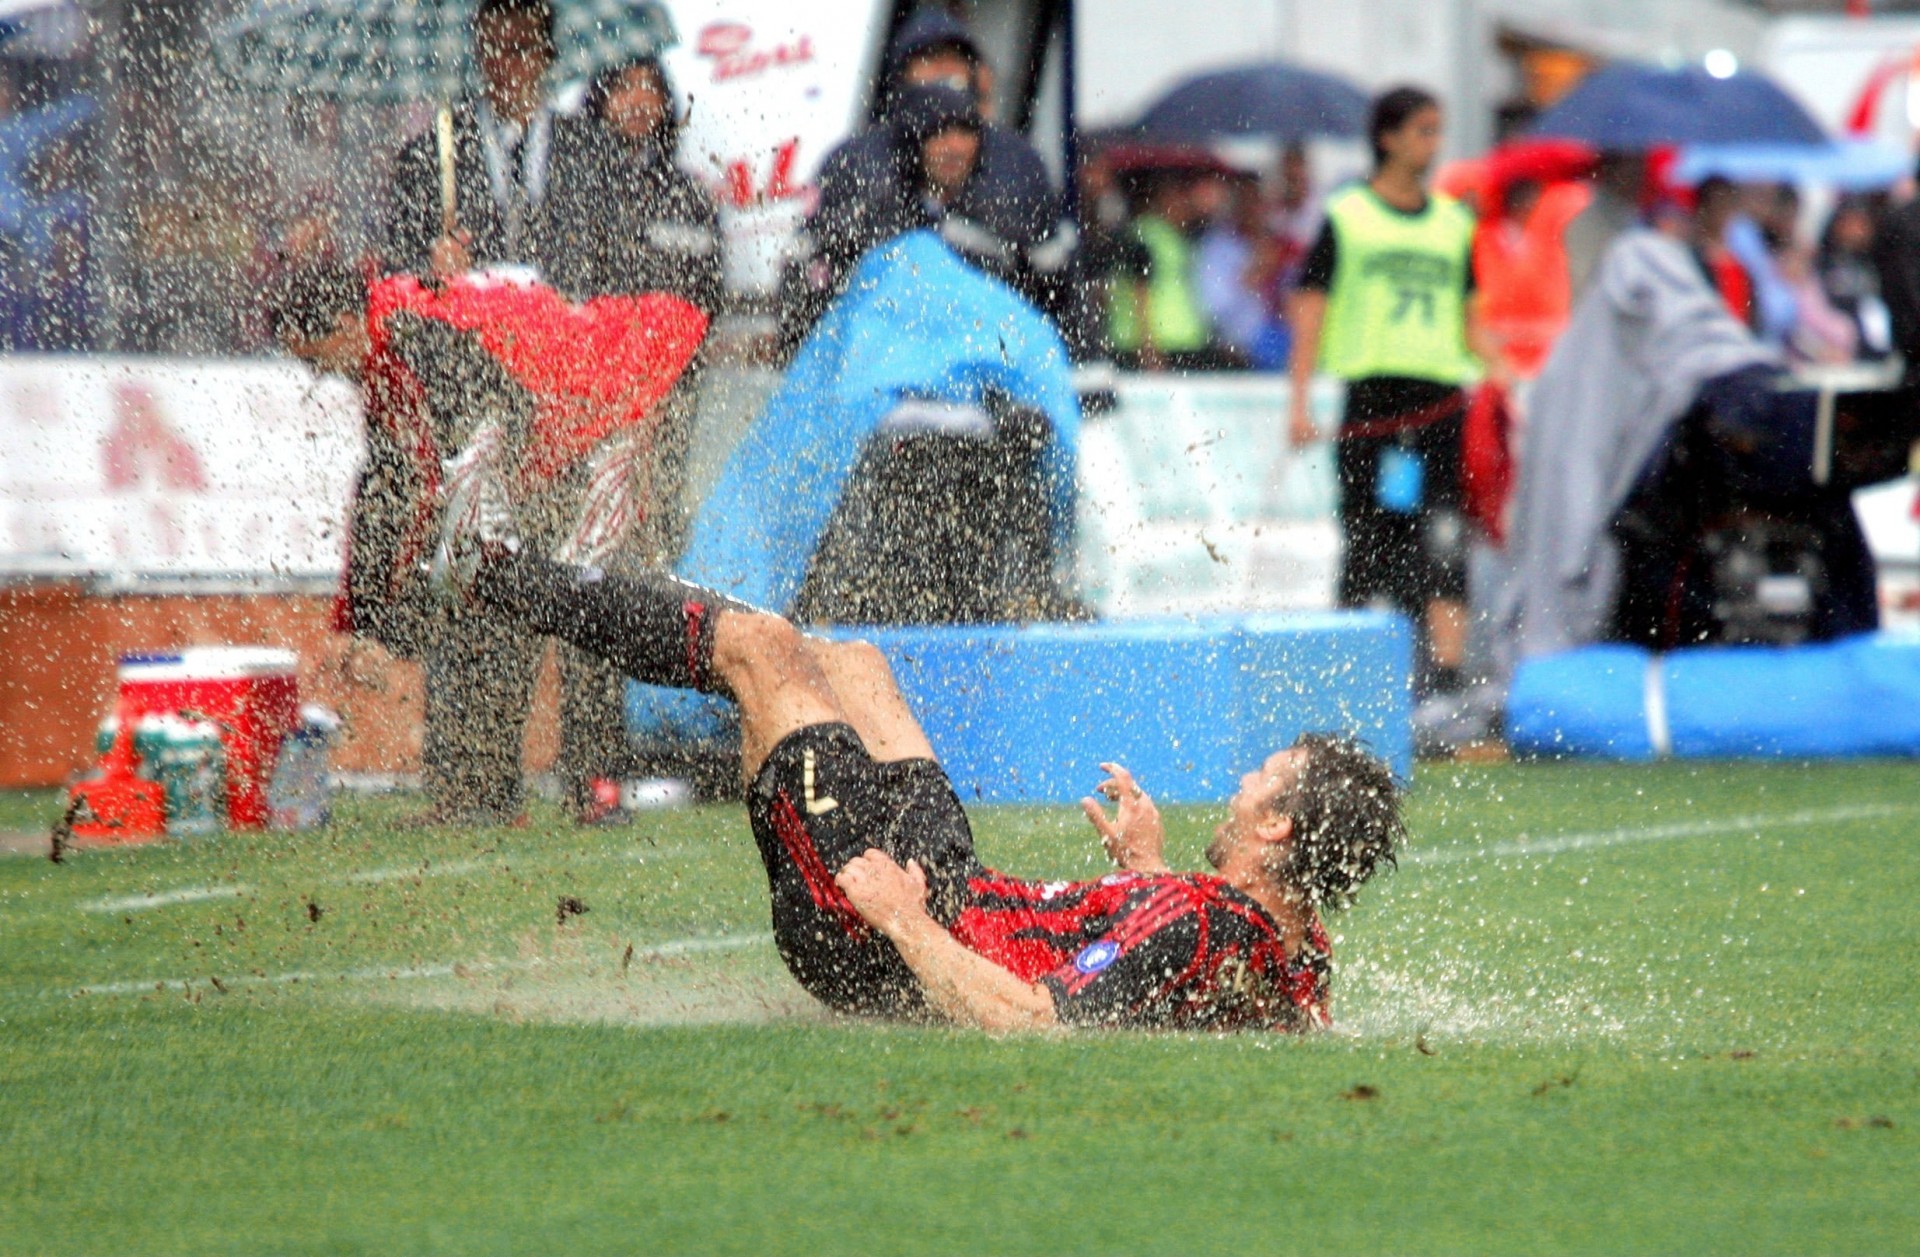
<point>1270,99</point>
<point>1850,165</point>
<point>1632,108</point>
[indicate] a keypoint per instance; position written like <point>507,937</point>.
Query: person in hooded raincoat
<point>1001,213</point>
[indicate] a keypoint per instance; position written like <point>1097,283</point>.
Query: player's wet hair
<point>1346,820</point>
<point>1391,110</point>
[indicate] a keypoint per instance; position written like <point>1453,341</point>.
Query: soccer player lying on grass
<point>880,906</point>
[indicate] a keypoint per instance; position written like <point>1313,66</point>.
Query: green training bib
<point>1398,304</point>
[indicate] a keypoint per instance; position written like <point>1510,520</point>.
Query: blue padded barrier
<point>1855,697</point>
<point>1027,714</point>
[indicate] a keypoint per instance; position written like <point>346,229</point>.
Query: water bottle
<point>300,794</point>
<point>190,761</point>
<point>186,757</point>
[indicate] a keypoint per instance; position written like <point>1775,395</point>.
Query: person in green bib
<point>1155,318</point>
<point>1386,302</point>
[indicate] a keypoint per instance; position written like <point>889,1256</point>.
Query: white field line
<point>289,978</point>
<point>712,942</point>
<point>1546,845</point>
<point>1555,844</point>
<point>402,973</point>
<point>164,898</point>
<point>370,877</point>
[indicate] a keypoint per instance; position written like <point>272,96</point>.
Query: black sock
<point>654,627</point>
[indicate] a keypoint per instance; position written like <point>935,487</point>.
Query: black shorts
<point>1408,557</point>
<point>819,801</point>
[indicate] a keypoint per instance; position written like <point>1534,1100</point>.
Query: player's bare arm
<point>964,987</point>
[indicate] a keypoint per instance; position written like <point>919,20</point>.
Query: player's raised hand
<point>882,892</point>
<point>1134,837</point>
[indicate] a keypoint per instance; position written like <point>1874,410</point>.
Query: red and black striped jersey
<point>1175,951</point>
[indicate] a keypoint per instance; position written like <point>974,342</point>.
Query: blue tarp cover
<point>1855,697</point>
<point>915,322</point>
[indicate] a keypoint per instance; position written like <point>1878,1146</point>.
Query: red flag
<point>593,368</point>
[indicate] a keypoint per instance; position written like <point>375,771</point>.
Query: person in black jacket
<point>638,223</point>
<point>1002,215</point>
<point>507,146</point>
<point>537,190</point>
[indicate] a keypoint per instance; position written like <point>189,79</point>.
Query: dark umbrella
<point>1137,157</point>
<point>395,51</point>
<point>1627,107</point>
<point>1270,99</point>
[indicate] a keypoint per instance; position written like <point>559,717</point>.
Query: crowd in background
<point>1197,258</point>
<point>1183,261</point>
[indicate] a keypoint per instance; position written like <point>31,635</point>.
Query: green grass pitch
<point>1598,1009</point>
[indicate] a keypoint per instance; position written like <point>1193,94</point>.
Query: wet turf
<point>1599,1010</point>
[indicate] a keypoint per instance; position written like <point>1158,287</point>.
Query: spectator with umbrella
<point>1386,302</point>
<point>1627,110</point>
<point>474,191</point>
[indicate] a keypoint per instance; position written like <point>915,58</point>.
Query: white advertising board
<point>1841,68</point>
<point>142,468</point>
<point>768,88</point>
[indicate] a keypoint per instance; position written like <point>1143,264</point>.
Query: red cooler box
<point>250,692</point>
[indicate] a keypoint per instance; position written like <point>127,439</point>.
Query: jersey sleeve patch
<point>1097,956</point>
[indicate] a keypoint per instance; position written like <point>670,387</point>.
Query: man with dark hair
<point>1386,302</point>
<point>880,905</point>
<point>504,142</point>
